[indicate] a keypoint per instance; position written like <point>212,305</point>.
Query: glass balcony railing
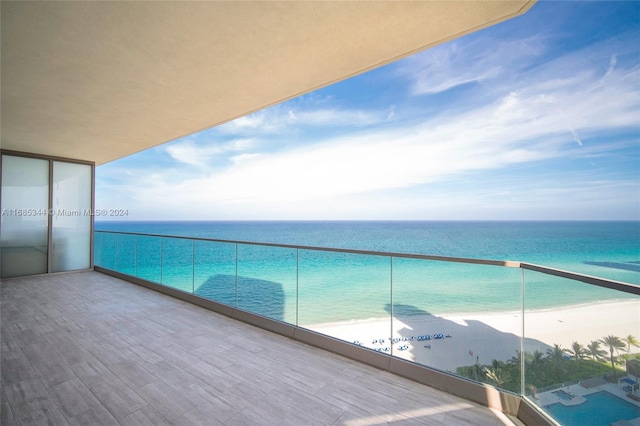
<point>566,342</point>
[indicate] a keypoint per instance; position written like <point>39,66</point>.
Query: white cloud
<point>200,154</point>
<point>524,126</point>
<point>471,60</point>
<point>281,118</point>
<point>338,117</point>
<point>612,65</point>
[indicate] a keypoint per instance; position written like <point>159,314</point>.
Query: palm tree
<point>556,354</point>
<point>593,349</point>
<point>498,374</point>
<point>534,363</point>
<point>516,360</point>
<point>577,350</point>
<point>536,360</point>
<point>495,376</point>
<point>614,343</point>
<point>631,341</point>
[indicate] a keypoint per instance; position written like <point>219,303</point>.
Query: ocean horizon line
<point>369,220</point>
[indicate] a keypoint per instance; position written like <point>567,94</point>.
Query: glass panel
<point>582,363</point>
<point>126,254</point>
<point>71,226</point>
<point>106,254</point>
<point>215,271</point>
<point>177,263</point>
<point>346,296</point>
<point>267,281</point>
<point>462,318</point>
<point>148,260</point>
<point>25,204</point>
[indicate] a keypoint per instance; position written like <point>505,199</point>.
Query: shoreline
<point>482,337</point>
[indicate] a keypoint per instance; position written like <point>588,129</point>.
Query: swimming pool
<point>601,408</point>
<point>562,395</point>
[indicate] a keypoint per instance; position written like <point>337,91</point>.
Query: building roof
<point>98,81</point>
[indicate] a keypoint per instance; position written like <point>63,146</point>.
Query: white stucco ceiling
<point>101,80</point>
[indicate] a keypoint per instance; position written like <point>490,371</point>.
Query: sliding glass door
<point>71,221</point>
<point>24,236</point>
<point>46,215</point>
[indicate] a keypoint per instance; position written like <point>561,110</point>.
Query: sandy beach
<point>485,336</point>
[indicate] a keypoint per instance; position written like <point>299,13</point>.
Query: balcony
<point>88,348</point>
<point>92,349</point>
<point>515,352</point>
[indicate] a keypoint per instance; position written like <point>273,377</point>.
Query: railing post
<point>161,260</point>
<point>297,285</point>
<point>523,362</point>
<point>136,255</point>
<point>391,301</point>
<point>193,267</point>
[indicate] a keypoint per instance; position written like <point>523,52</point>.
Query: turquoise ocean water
<point>312,287</point>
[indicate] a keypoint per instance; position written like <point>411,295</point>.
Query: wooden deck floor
<point>86,348</point>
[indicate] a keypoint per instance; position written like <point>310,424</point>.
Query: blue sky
<point>536,118</point>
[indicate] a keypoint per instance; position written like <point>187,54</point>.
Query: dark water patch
<point>630,266</point>
<point>254,295</point>
<point>405,310</point>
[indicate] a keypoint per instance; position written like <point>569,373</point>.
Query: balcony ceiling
<point>98,81</point>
